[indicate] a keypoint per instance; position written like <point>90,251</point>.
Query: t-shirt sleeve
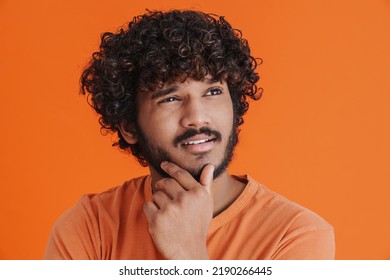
<point>310,238</point>
<point>75,234</point>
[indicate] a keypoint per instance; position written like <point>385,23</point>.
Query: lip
<point>198,137</point>
<point>200,147</point>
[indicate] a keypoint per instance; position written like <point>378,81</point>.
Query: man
<point>174,87</point>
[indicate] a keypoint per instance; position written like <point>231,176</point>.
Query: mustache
<point>193,132</point>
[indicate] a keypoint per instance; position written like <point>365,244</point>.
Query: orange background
<point>320,134</point>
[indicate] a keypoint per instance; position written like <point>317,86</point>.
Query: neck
<point>225,190</point>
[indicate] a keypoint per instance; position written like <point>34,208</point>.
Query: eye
<point>214,91</point>
<point>168,100</point>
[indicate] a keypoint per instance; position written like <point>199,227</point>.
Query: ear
<point>128,132</point>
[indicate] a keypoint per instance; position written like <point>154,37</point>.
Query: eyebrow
<point>163,92</point>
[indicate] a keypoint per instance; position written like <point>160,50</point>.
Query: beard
<point>154,155</point>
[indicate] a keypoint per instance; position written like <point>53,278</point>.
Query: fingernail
<point>164,163</point>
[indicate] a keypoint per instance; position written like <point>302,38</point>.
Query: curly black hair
<point>160,48</point>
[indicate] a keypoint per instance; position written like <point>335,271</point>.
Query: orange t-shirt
<point>260,224</point>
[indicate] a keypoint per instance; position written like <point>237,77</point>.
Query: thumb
<point>207,176</point>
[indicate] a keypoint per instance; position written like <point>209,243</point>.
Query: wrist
<point>198,253</point>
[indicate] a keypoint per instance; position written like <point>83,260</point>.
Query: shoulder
<point>300,233</point>
<point>279,207</point>
<point>109,201</point>
<point>77,232</point>
<point>116,197</point>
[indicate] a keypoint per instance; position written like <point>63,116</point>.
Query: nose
<point>195,114</point>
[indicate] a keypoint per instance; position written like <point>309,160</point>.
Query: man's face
<point>190,124</point>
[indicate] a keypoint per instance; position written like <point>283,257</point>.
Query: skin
<point>181,205</point>
<point>182,208</point>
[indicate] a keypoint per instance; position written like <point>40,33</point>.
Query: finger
<point>207,176</point>
<point>160,199</point>
<point>150,210</point>
<point>180,175</point>
<point>169,186</point>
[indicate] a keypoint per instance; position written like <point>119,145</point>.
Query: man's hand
<point>180,214</point>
